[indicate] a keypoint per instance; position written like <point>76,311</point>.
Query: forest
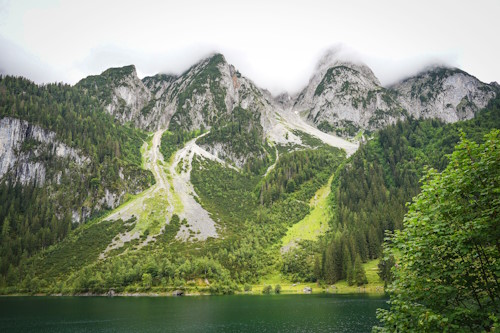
<point>254,206</point>
<point>372,188</point>
<point>34,217</point>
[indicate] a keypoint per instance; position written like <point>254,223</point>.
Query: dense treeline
<point>294,169</point>
<point>29,223</point>
<point>372,189</point>
<point>39,214</point>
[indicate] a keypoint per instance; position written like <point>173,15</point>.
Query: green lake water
<point>273,313</point>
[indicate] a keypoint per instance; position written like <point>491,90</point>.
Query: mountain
<point>62,161</point>
<point>344,97</point>
<point>202,180</point>
<point>121,93</point>
<point>449,94</point>
<point>210,95</point>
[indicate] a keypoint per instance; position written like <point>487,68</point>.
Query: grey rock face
<point>346,96</point>
<point>20,145</point>
<point>448,94</point>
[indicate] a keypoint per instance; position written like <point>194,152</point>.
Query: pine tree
<point>359,272</point>
<point>317,268</point>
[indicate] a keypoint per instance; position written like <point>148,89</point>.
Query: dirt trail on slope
<point>272,166</point>
<point>172,193</point>
<point>152,208</point>
<point>200,225</point>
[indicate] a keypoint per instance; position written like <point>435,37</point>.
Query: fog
<point>276,44</point>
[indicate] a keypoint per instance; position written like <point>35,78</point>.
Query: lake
<point>238,313</point>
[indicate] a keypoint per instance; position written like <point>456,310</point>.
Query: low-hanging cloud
<point>16,61</point>
<point>276,44</point>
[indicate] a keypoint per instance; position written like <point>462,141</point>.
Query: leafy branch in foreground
<point>447,275</point>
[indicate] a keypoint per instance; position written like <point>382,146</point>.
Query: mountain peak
<point>337,57</point>
<point>120,71</point>
<point>215,58</point>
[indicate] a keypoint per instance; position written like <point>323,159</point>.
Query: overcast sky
<point>275,43</point>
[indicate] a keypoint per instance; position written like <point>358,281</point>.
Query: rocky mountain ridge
<point>342,97</point>
<point>449,94</point>
<point>345,97</point>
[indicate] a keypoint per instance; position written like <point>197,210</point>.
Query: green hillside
<point>290,214</point>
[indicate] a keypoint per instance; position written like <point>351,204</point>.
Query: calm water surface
<point>276,313</point>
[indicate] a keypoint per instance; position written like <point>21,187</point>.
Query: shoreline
<point>187,294</point>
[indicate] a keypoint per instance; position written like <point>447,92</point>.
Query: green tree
<point>277,289</point>
<point>267,289</point>
<point>359,272</point>
<point>317,268</point>
<point>350,275</point>
<point>385,269</point>
<point>147,280</point>
<point>446,278</point>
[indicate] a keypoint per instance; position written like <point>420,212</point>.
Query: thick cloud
<point>275,43</point>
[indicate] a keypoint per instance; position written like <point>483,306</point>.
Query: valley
<point>206,183</point>
<point>263,166</point>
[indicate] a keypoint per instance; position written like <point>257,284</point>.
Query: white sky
<point>275,43</point>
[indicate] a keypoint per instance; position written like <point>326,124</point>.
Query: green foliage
<point>39,215</point>
<point>325,126</point>
<point>250,230</point>
<point>241,135</point>
<point>297,263</point>
<point>371,189</point>
<point>385,268</point>
<point>173,141</point>
<point>309,140</point>
<point>80,248</point>
<point>359,272</point>
<point>147,280</point>
<point>446,279</point>
<point>298,172</point>
<point>346,128</point>
<point>277,289</point>
<point>267,289</point>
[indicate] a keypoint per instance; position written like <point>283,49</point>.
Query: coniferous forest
<point>255,206</point>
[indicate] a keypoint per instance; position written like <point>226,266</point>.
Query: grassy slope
<point>231,199</point>
<point>315,223</point>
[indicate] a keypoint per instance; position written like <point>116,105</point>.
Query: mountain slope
<point>343,97</point>
<point>234,171</point>
<point>444,93</point>
<point>62,160</point>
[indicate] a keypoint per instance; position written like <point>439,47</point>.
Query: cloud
<point>14,60</point>
<point>277,44</point>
